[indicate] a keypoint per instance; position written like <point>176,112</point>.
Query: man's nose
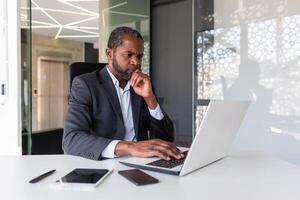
<point>135,61</point>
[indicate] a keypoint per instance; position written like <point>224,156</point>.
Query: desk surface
<point>238,176</point>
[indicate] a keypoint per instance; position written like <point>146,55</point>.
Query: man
<point>113,111</point>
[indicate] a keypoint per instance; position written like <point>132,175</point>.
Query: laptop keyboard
<point>168,163</point>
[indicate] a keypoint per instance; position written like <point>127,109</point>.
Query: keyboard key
<point>168,163</point>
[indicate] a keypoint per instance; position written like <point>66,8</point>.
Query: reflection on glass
<point>59,33</point>
<point>51,94</point>
<point>216,65</point>
<point>211,55</point>
<point>259,61</point>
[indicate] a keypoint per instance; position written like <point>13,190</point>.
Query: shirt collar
<point>116,82</point>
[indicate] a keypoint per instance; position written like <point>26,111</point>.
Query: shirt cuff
<point>109,151</point>
<point>156,113</point>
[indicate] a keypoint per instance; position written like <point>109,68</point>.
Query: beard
<point>121,73</point>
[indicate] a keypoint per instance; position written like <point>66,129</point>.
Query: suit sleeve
<point>158,129</point>
<point>78,139</point>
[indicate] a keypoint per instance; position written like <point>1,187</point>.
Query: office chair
<point>79,68</point>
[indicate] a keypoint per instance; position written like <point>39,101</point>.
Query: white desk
<point>239,176</point>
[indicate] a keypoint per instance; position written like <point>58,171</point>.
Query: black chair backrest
<point>79,68</point>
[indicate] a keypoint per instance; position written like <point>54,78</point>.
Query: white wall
<point>261,43</point>
<point>10,118</point>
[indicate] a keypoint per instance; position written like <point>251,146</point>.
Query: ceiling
<point>79,19</point>
<point>71,19</point>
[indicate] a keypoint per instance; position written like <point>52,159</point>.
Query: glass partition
<point>25,16</point>
<point>53,35</point>
<point>250,50</point>
<point>132,13</point>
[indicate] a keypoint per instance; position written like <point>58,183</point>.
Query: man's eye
<point>128,55</point>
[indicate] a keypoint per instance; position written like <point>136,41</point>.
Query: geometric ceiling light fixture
<point>76,19</point>
<point>109,8</point>
<point>66,18</point>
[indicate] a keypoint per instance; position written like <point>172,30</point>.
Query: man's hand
<point>148,148</point>
<point>142,86</point>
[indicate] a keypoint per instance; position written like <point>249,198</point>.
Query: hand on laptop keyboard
<point>168,163</point>
<point>149,148</point>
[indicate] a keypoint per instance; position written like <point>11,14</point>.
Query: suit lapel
<point>114,100</point>
<point>111,92</point>
<point>136,108</point>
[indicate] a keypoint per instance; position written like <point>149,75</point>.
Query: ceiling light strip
<point>108,8</point>
<point>58,32</point>
<point>44,23</point>
<point>80,0</point>
<point>129,14</point>
<point>78,36</point>
<point>47,14</point>
<point>79,8</point>
<point>77,29</point>
<point>65,11</point>
<point>40,27</point>
<point>86,27</point>
<point>117,5</point>
<point>81,21</point>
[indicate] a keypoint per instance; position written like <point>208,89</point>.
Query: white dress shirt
<point>125,104</point>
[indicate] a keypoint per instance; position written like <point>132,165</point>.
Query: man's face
<point>127,57</point>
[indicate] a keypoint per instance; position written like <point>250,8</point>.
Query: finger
<point>165,143</point>
<point>140,150</point>
<point>170,152</point>
<point>138,72</point>
<point>145,76</point>
<point>167,147</point>
<point>148,149</point>
<point>163,146</point>
<point>133,78</point>
<point>171,146</point>
<point>139,80</point>
<point>160,154</point>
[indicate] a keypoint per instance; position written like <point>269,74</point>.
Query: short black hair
<point>116,36</point>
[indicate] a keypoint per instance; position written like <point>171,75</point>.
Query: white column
<point>10,110</point>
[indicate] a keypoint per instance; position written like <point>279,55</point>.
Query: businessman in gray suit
<point>113,111</point>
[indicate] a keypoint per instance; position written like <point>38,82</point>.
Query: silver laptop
<point>212,142</point>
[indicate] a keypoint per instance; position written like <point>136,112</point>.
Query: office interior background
<point>195,51</point>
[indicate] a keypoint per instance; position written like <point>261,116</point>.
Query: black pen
<point>42,176</point>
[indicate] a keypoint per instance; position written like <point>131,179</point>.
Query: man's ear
<point>109,53</point>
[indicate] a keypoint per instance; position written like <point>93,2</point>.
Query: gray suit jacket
<point>94,117</point>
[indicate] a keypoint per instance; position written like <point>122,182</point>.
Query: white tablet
<point>85,177</point>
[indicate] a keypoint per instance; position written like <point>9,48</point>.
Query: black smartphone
<point>138,177</point>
